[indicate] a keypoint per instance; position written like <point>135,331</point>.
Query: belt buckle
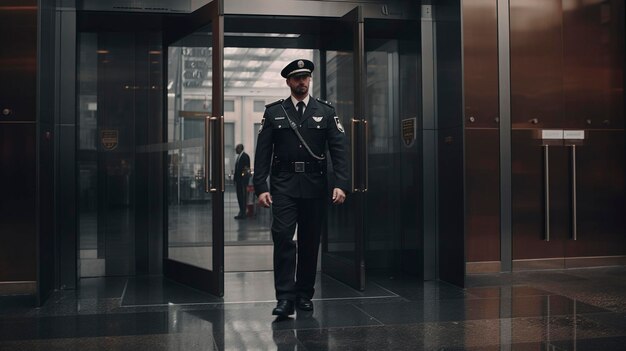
<point>298,167</point>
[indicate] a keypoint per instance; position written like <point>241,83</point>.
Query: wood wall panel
<point>480,59</point>
<point>528,197</point>
<point>481,111</point>
<point>593,64</point>
<point>18,60</point>
<point>536,63</point>
<point>482,192</point>
<point>601,200</point>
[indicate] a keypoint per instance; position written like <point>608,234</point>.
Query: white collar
<point>295,101</point>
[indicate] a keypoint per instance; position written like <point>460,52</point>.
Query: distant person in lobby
<point>242,177</point>
<point>291,149</point>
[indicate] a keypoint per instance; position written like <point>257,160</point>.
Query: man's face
<point>299,85</point>
<point>238,149</point>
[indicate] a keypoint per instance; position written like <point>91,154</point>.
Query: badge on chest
<point>339,126</point>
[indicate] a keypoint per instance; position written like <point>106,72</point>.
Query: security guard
<point>292,143</point>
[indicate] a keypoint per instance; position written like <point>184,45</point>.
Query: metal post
<point>504,80</point>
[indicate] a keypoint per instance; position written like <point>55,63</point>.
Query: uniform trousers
<point>242,191</point>
<point>295,276</point>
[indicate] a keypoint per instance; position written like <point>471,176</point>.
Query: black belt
<point>300,167</point>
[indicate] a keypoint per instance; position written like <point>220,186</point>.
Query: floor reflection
<point>526,311</point>
<point>248,244</point>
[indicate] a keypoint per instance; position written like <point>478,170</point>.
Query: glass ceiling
<point>256,68</point>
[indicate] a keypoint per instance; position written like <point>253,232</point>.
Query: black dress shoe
<point>240,217</point>
<point>283,308</point>
<point>304,304</point>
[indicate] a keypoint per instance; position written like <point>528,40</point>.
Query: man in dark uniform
<point>242,176</point>
<point>291,146</point>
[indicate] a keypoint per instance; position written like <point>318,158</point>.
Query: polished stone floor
<point>582,309</point>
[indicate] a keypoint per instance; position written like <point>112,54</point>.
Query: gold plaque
<point>109,139</point>
<point>409,129</point>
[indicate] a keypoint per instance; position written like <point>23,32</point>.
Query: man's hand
<point>338,196</point>
<point>265,199</point>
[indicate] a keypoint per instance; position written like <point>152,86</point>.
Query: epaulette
<point>325,102</point>
<point>274,103</point>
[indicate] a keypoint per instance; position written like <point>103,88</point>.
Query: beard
<point>300,90</point>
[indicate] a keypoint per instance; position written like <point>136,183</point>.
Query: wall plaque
<point>109,139</point>
<point>409,129</point>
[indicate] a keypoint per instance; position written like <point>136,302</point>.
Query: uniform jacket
<point>242,168</point>
<point>277,142</point>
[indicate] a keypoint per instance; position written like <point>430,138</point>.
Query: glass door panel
<point>189,206</point>
<point>342,246</point>
<point>194,246</point>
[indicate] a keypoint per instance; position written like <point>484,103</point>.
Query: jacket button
<point>300,146</point>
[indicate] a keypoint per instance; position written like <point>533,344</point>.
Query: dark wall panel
<point>450,142</point>
<point>449,68</point>
<point>451,221</point>
<point>46,253</point>
<point>411,174</point>
<point>67,184</point>
<point>18,246</point>
<point>18,142</point>
<point>46,148</point>
<point>66,206</point>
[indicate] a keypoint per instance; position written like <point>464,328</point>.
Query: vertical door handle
<point>207,154</point>
<point>574,202</point>
<point>546,187</point>
<point>209,167</point>
<point>222,166</point>
<point>353,145</point>
<point>365,153</point>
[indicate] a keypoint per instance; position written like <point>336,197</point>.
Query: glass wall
<point>341,239</point>
<point>189,94</point>
<point>119,109</point>
<point>393,109</point>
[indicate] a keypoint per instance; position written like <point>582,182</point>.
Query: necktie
<point>300,109</point>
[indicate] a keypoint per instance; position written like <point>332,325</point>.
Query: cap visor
<point>300,72</point>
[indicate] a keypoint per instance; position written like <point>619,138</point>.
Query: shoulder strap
<point>294,127</point>
<point>274,103</point>
<point>325,102</point>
